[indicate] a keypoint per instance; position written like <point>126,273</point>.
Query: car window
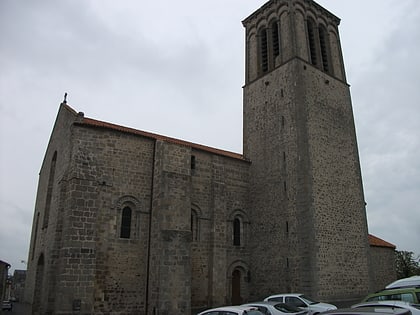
<point>276,299</point>
<point>286,308</point>
<point>307,300</point>
<point>295,301</point>
<point>227,313</point>
<point>407,297</point>
<point>418,297</point>
<point>212,313</point>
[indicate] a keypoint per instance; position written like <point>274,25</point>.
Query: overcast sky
<point>177,68</point>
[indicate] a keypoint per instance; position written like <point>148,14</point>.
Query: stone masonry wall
<point>111,170</point>
<point>277,190</point>
<point>47,226</point>
<point>384,271</point>
<point>338,201</point>
<point>219,193</point>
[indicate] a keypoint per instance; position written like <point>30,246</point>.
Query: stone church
<point>131,222</point>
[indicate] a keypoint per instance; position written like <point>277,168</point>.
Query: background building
<point>132,222</point>
<point>4,276</point>
<point>18,285</point>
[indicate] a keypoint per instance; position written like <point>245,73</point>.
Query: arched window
<point>275,39</point>
<point>263,50</point>
<point>323,43</point>
<point>312,42</point>
<point>49,191</point>
<point>125,223</point>
<point>237,232</point>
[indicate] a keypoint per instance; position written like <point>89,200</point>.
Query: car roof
<point>230,308</point>
<point>286,294</point>
<point>272,303</point>
<point>377,310</point>
<point>410,281</point>
<point>387,302</point>
<point>263,303</point>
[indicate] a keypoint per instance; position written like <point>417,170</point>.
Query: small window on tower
<point>276,42</point>
<point>263,50</point>
<point>323,43</point>
<point>236,232</point>
<point>311,41</point>
<point>193,162</point>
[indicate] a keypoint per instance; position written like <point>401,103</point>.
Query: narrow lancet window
<point>125,223</point>
<point>236,232</point>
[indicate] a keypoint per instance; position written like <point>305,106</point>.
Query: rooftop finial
<point>65,98</point>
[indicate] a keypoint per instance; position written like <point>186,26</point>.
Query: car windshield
<point>308,300</point>
<point>286,308</point>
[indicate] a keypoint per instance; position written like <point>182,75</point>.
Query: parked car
<point>7,306</point>
<point>368,311</point>
<point>413,308</point>
<point>276,308</point>
<point>232,310</point>
<point>410,294</point>
<point>302,301</point>
<point>406,282</point>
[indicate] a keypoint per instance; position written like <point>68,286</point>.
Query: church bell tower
<point>309,227</point>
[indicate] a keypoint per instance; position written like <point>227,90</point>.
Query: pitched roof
<point>378,242</point>
<point>85,121</point>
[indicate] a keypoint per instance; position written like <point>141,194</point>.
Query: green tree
<point>407,265</point>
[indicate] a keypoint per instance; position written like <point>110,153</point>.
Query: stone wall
<point>383,270</point>
<point>47,227</point>
<point>305,175</point>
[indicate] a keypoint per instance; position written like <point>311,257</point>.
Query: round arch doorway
<point>236,287</point>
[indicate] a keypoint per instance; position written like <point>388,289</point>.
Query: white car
<point>413,308</point>
<point>302,301</point>
<point>406,282</point>
<point>232,310</point>
<point>276,308</point>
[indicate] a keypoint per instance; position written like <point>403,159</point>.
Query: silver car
<point>302,301</point>
<point>276,308</point>
<point>413,308</point>
<point>232,310</point>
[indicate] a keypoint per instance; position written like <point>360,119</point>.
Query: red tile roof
<point>376,241</point>
<point>102,124</point>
